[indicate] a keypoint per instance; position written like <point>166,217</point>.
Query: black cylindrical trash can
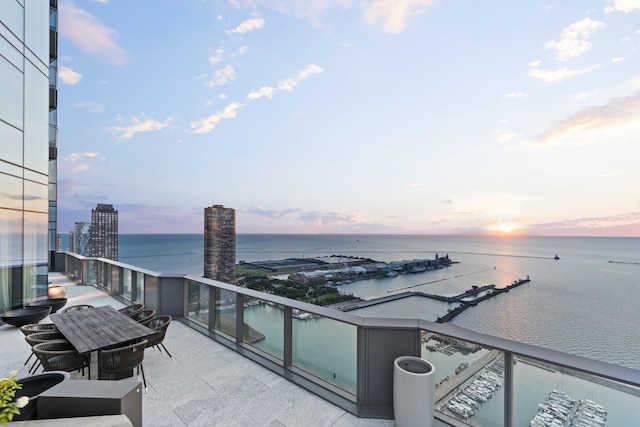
<point>414,392</point>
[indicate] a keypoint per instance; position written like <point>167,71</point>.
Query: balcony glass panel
<point>469,380</point>
<point>126,283</point>
<point>543,392</point>
<point>139,287</point>
<point>198,302</point>
<point>264,326</point>
<point>226,312</point>
<point>100,281</point>
<point>325,348</point>
<point>92,272</point>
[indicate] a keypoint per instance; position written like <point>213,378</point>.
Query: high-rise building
<point>220,243</point>
<point>104,232</point>
<point>72,241</point>
<point>28,100</point>
<point>82,239</point>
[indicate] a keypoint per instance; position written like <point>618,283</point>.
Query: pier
<point>462,307</point>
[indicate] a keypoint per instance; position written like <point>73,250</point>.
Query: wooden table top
<point>98,328</point>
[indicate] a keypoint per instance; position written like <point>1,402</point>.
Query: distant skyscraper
<point>220,244</point>
<point>82,239</point>
<point>72,241</point>
<point>104,232</point>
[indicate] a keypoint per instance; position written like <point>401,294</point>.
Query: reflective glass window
<point>11,193</point>
<point>36,197</point>
<point>36,130</point>
<point>11,101</point>
<point>11,140</point>
<point>12,15</point>
<point>11,53</point>
<point>10,253</point>
<point>36,32</point>
<point>226,312</point>
<point>198,302</point>
<point>35,254</point>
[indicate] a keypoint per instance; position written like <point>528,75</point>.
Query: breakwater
<point>466,304</point>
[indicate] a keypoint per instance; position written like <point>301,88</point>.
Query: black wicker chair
<point>144,316</point>
<point>132,309</point>
<point>77,307</point>
<point>37,327</point>
<point>114,361</point>
<point>60,355</point>
<point>38,337</point>
<point>160,325</point>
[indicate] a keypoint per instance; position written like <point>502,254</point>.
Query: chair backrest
<point>144,315</point>
<point>159,322</point>
<point>122,358</point>
<point>39,337</point>
<point>77,307</point>
<point>132,309</point>
<point>58,355</point>
<point>37,327</point>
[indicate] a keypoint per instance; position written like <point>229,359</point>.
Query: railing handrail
<point>622,374</point>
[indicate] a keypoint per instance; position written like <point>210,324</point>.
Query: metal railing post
<point>508,389</point>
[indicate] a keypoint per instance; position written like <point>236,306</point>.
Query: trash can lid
<point>414,365</point>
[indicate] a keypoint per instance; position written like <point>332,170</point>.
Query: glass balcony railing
<point>481,380</point>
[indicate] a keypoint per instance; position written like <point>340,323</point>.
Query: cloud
<point>393,14</point>
<point>495,204</point>
<point>558,75</point>
<point>78,160</point>
<point>216,57</point>
<point>584,95</point>
<point>317,220</point>
<point>263,91</point>
<point>289,83</point>
<point>241,51</point>
<point>222,76</point>
<point>139,124</point>
<point>68,76</point>
<point>535,63</point>
<point>618,111</point>
<point>625,6</point>
<point>573,39</point>
<point>91,107</point>
<point>516,95</point>
<point>248,26</point>
<point>81,28</point>
<point>596,222</point>
<point>618,59</point>
<point>208,124</point>
<point>74,157</point>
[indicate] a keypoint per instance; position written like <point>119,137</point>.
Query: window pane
<point>11,194</point>
<point>36,129</point>
<point>11,101</point>
<point>36,197</point>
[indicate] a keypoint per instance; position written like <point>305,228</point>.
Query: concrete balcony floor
<point>204,384</point>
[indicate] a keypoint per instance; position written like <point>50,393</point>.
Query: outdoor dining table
<point>99,328</point>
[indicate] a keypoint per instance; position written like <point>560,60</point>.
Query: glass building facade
<point>28,51</point>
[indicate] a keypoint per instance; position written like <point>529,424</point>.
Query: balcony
<point>346,361</point>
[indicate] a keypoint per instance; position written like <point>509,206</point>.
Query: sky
<point>352,116</point>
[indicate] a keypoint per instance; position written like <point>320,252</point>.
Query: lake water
<point>581,304</point>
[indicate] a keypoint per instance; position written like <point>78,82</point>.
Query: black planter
<point>34,385</point>
<point>22,316</point>
<point>55,303</point>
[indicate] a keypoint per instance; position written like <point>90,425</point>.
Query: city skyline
<point>413,117</point>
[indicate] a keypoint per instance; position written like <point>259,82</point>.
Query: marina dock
<point>453,383</point>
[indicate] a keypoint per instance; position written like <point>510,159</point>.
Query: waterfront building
<point>72,241</point>
<point>82,238</point>
<point>220,243</point>
<point>104,232</point>
<point>28,66</point>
